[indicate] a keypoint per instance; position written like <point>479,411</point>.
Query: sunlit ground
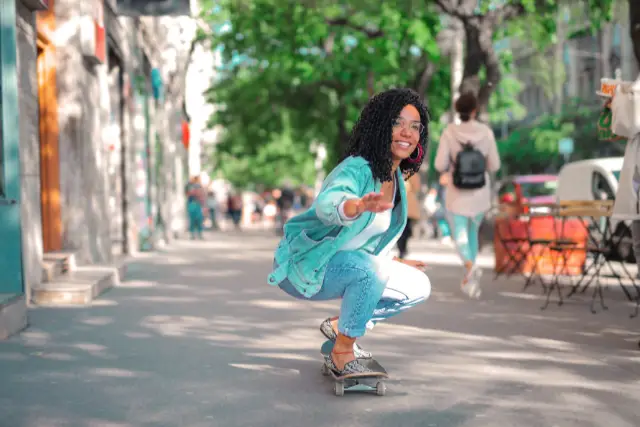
<point>195,337</point>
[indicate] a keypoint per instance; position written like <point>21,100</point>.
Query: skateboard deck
<point>356,382</point>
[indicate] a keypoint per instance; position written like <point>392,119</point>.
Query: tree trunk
<point>423,81</point>
<point>634,27</point>
<point>474,58</point>
<point>457,64</point>
<point>480,52</point>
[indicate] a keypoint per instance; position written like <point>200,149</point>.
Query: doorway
<point>49,154</point>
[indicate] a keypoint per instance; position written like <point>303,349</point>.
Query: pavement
<point>195,337</point>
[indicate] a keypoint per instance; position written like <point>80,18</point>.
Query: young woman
<point>339,248</point>
<point>466,207</point>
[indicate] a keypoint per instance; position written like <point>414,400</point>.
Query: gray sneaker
<point>472,288</point>
<point>327,331</point>
<point>350,368</point>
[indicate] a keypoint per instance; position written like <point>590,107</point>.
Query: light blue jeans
<point>464,231</point>
<point>372,289</point>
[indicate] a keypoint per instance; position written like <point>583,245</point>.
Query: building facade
<point>573,67</point>
<point>96,165</point>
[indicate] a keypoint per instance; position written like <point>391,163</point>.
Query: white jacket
<point>625,122</point>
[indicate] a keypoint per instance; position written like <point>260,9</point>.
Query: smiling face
<point>407,129</point>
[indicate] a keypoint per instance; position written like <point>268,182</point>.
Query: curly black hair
<point>372,133</point>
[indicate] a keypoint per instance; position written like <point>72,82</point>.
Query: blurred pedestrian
<point>466,154</point>
<point>195,194</point>
<point>285,201</point>
<point>234,208</point>
<point>412,186</point>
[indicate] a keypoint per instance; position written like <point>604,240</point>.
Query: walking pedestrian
<point>467,153</point>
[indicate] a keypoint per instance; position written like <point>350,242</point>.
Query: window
<point>616,174</point>
<point>538,189</point>
<point>600,187</point>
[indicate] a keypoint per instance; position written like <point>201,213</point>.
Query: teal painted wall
<point>11,280</point>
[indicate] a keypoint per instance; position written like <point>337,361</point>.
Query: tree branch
<point>329,43</point>
<point>423,81</point>
<point>452,8</point>
<point>344,22</point>
<point>505,13</point>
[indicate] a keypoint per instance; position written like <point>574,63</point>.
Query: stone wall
<point>29,147</point>
<point>88,167</point>
<point>174,50</point>
<point>83,154</point>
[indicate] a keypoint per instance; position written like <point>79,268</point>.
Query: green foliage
<point>534,148</point>
<point>503,104</point>
<point>296,73</point>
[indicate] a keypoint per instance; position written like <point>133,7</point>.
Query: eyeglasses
<point>415,127</point>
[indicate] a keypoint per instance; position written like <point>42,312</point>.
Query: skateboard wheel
<point>339,389</point>
<point>325,370</point>
<point>381,389</point>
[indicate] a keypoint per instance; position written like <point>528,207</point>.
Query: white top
<point>625,109</point>
<point>380,224</point>
<point>627,202</point>
<point>459,201</point>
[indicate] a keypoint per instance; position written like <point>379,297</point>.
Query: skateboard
<point>356,382</point>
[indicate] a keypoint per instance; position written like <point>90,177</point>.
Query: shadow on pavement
<point>195,337</point>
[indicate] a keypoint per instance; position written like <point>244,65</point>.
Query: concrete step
<point>13,315</point>
<point>78,287</point>
<point>55,264</point>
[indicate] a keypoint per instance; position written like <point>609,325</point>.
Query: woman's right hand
<point>372,202</point>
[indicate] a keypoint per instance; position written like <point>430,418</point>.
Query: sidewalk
<point>195,337</point>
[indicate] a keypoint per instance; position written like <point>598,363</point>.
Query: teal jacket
<point>312,238</point>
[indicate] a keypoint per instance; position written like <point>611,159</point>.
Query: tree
<point>301,73</point>
<point>480,20</point>
<point>485,21</point>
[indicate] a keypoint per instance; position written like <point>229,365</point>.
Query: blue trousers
<point>464,231</point>
<point>371,288</point>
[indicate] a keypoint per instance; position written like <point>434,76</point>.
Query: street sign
<point>565,146</point>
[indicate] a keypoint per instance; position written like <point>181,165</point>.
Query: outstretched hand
<point>373,202</point>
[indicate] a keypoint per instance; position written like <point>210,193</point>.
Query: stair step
<point>13,315</point>
<point>78,287</point>
<point>55,264</point>
<point>51,270</point>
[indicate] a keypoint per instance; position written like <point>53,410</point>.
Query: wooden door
<point>49,155</point>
